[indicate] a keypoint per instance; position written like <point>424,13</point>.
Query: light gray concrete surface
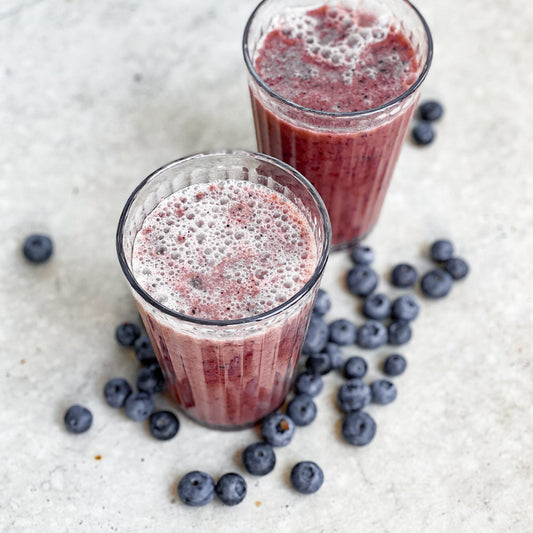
<point>94,96</point>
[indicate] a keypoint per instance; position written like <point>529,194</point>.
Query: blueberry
<point>399,332</point>
<point>362,280</point>
<point>116,391</point>
<point>376,306</point>
<point>310,383</point>
<point>306,477</point>
<point>404,275</point>
<point>302,409</point>
<point>144,351</point>
<point>353,395</point>
<point>441,250</point>
<point>423,133</point>
<point>362,255</point>
<point>456,267</point>
<point>431,110</point>
<point>127,333</point>
<point>383,391</point>
<point>342,332</point>
<point>78,419</point>
<point>405,308</point>
<point>38,248</point>
<point>319,363</point>
<point>358,428</point>
<point>372,334</point>
<point>436,283</point>
<point>163,425</point>
<point>355,367</point>
<point>259,458</point>
<point>394,365</point>
<point>322,303</point>
<point>317,335</point>
<point>150,379</point>
<point>278,429</point>
<point>196,489</point>
<point>231,489</point>
<point>139,406</point>
<point>335,355</point>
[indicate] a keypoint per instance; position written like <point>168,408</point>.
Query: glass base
<point>351,243</point>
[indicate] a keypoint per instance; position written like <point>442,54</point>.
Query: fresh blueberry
<point>127,333</point>
<point>196,489</point>
<point>394,365</point>
<point>436,283</point>
<point>431,110</point>
<point>456,267</point>
<point>78,419</point>
<point>306,477</point>
<point>405,308</point>
<point>150,379</point>
<point>317,335</point>
<point>163,425</point>
<point>38,248</point>
<point>278,429</point>
<point>310,383</point>
<point>353,395</point>
<point>259,458</point>
<point>399,332</point>
<point>376,306</point>
<point>372,334</point>
<point>335,355</point>
<point>116,391</point>
<point>423,133</point>
<point>404,275</point>
<point>441,250</point>
<point>139,406</point>
<point>355,367</point>
<point>383,391</point>
<point>342,332</point>
<point>361,280</point>
<point>144,351</point>
<point>319,363</point>
<point>231,489</point>
<point>358,428</point>
<point>322,303</point>
<point>362,255</point>
<point>302,409</point>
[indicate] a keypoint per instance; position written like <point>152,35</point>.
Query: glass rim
<point>311,282</point>
<point>341,114</point>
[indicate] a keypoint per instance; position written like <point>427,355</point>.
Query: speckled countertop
<point>94,96</point>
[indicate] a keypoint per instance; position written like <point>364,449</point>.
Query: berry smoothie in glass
<point>333,88</point>
<point>224,253</point>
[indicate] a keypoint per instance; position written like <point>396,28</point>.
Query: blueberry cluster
<point>423,132</point>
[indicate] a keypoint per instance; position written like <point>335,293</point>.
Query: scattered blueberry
<point>342,332</point>
<point>358,428</point>
<point>163,425</point>
<point>383,391</point>
<point>399,332</point>
<point>231,489</point>
<point>404,275</point>
<point>278,429</point>
<point>376,306</point>
<point>456,267</point>
<point>38,248</point>
<point>335,355</point>
<point>306,477</point>
<point>318,363</point>
<point>144,351</point>
<point>436,283</point>
<point>196,489</point>
<point>372,334</point>
<point>394,365</point>
<point>355,367</point>
<point>310,383</point>
<point>405,308</point>
<point>139,406</point>
<point>317,335</point>
<point>116,391</point>
<point>259,458</point>
<point>150,379</point>
<point>127,333</point>
<point>361,280</point>
<point>431,110</point>
<point>441,250</point>
<point>302,409</point>
<point>353,395</point>
<point>78,419</point>
<point>322,303</point>
<point>423,133</point>
<point>362,255</point>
